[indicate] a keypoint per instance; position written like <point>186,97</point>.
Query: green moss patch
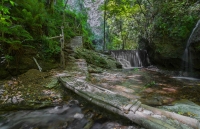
<point>96,59</point>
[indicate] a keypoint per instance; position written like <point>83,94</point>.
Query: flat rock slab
<point>184,107</point>
<point>133,110</point>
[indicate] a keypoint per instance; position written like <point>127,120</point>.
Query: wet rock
<point>1,90</point>
<point>73,102</point>
<point>78,116</point>
<point>50,118</point>
<point>59,109</point>
<point>94,69</point>
<point>113,125</point>
<point>3,73</point>
<point>96,59</point>
<point>52,84</point>
<point>153,101</point>
<point>15,100</point>
<point>76,42</point>
<point>184,107</point>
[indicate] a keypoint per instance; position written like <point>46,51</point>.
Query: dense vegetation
<point>154,20</point>
<point>161,27</point>
<point>28,24</point>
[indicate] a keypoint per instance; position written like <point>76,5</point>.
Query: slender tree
<point>104,25</point>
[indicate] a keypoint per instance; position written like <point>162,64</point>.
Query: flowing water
<point>187,56</point>
<point>49,118</point>
<point>131,58</point>
<point>68,116</point>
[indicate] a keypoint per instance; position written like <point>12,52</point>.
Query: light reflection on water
<point>50,118</point>
<point>68,116</point>
<point>186,78</point>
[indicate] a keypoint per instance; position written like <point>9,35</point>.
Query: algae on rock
<point>97,59</point>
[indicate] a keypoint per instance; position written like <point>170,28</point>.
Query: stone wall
<point>76,42</point>
<point>137,58</point>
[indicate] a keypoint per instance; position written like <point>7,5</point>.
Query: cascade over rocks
<point>194,38</point>
<point>134,58</point>
<point>194,47</point>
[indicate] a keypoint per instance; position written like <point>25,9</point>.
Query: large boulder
<point>97,59</point>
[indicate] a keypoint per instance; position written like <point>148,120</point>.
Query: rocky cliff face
<point>95,17</point>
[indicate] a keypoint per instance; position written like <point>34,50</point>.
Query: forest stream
<point>150,87</point>
<point>97,62</point>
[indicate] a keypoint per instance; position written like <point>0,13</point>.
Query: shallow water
<point>186,78</point>
<point>49,118</point>
<point>67,116</point>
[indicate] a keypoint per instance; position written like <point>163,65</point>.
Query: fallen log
<point>156,119</point>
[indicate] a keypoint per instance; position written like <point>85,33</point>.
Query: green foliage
<point>150,84</point>
<point>172,25</point>
<point>12,35</point>
<point>5,19</point>
<point>30,14</point>
<point>29,23</point>
<point>49,48</point>
<point>77,25</point>
<point>165,25</point>
<point>8,58</point>
<point>174,20</point>
<point>120,20</point>
<point>95,58</point>
<point>136,69</point>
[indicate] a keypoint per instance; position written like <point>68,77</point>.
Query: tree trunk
<point>104,26</point>
<point>143,115</point>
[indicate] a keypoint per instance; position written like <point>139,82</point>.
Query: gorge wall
<point>95,17</point>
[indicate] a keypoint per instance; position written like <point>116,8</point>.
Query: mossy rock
<point>52,84</point>
<point>94,69</point>
<point>184,107</point>
<point>31,90</point>
<point>3,73</point>
<point>97,59</point>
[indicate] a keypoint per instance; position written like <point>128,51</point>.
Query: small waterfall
<point>187,56</point>
<point>131,58</point>
<point>124,62</point>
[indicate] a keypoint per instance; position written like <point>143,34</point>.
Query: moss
<point>112,99</point>
<point>96,59</point>
<point>94,69</point>
<point>168,48</point>
<point>3,73</point>
<point>52,84</point>
<point>32,90</point>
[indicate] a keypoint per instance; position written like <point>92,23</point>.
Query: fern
<point>32,15</point>
<point>20,32</point>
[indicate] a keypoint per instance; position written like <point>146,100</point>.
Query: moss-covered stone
<point>94,69</point>
<point>3,73</point>
<point>96,59</point>
<point>31,90</point>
